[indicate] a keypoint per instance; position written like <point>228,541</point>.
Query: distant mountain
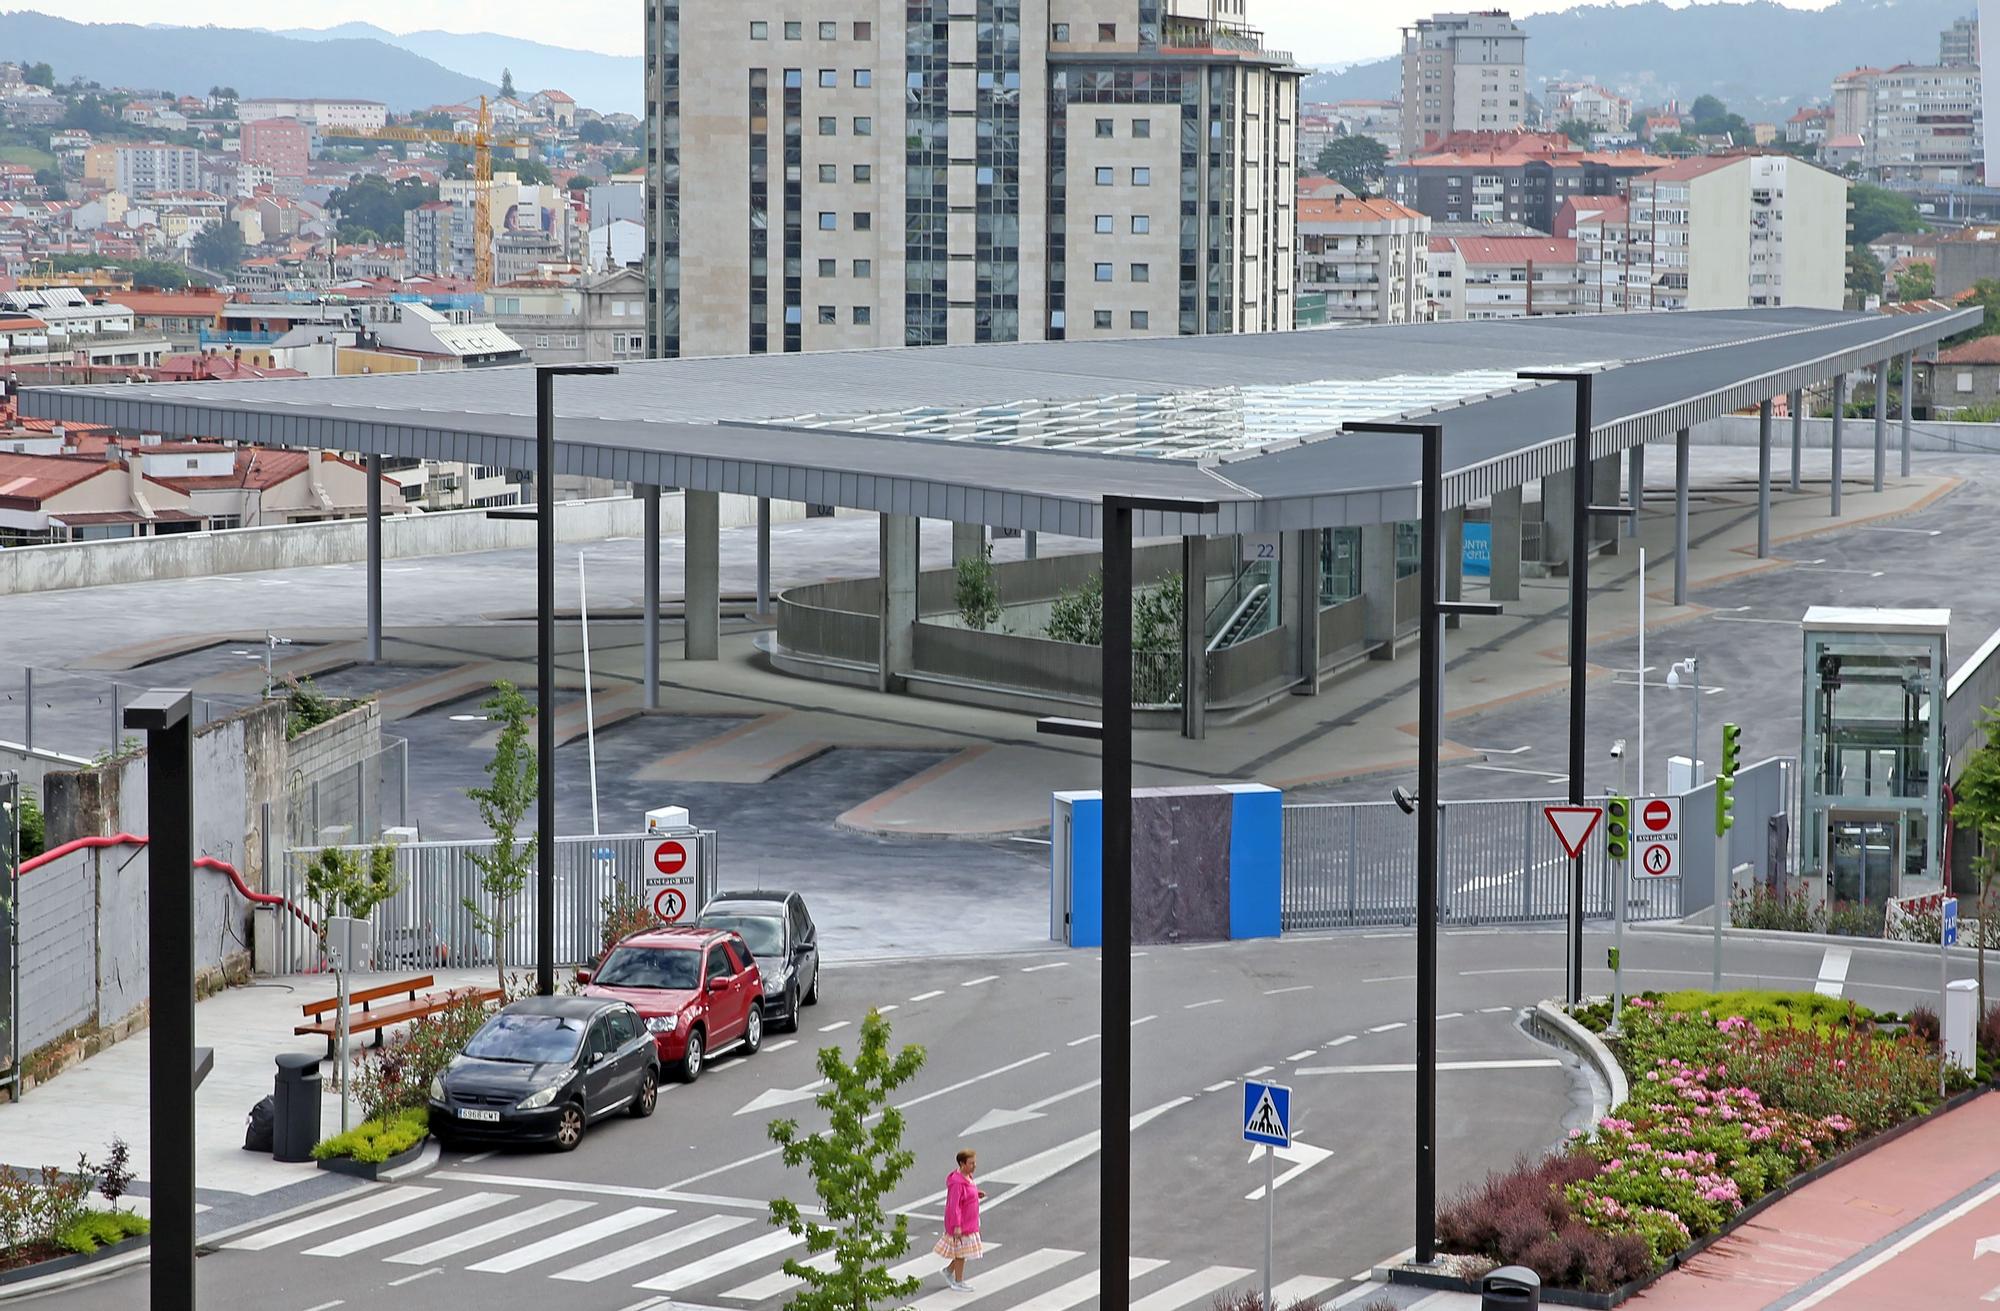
<point>606,83</point>
<point>190,60</point>
<point>1762,59</point>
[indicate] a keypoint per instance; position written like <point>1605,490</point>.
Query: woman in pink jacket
<point>961,1220</point>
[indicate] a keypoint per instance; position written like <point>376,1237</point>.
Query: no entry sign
<point>670,879</point>
<point>1658,838</point>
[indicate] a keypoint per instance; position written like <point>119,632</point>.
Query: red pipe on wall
<point>200,862</point>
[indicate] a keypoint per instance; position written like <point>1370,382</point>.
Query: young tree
<point>504,802</point>
<point>506,84</point>
<point>340,882</point>
<point>977,591</point>
<point>39,75</point>
<point>1915,282</point>
<point>854,1163</point>
<point>1355,162</point>
<point>1977,807</point>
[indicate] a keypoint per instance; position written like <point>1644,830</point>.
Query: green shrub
<point>95,1229</point>
<point>1769,1008</point>
<point>377,1140</point>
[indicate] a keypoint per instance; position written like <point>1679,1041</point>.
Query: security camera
<point>1406,800</point>
<point>1618,749</point>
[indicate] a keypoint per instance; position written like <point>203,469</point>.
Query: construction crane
<point>482,143</point>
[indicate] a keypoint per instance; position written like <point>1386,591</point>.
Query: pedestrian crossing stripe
<point>656,1250</point>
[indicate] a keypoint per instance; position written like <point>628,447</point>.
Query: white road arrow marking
<point>1000,1117</point>
<point>1303,1156</point>
<point>1990,1243</point>
<point>771,1097</point>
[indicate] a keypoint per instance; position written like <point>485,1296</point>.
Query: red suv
<point>697,989</point>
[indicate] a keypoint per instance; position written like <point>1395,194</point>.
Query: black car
<point>543,1068</point>
<point>780,933</point>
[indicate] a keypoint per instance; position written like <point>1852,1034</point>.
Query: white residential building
<point>1504,277</point>
<point>1729,232</point>
<point>1371,258</point>
<point>362,115</point>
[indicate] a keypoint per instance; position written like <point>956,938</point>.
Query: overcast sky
<point>1318,31</point>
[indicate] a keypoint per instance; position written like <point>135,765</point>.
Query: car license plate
<point>469,1113</point>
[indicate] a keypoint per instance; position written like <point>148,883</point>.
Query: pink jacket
<point>961,1205</point>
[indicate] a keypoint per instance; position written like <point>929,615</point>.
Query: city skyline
<point>1318,33</point>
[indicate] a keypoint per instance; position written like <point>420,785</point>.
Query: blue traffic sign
<point>1951,921</point>
<point>1267,1114</point>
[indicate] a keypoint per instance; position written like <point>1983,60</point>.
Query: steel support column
<point>1763,479</point>
<point>649,610</point>
<point>701,577</point>
<point>1909,391</point>
<point>763,555</point>
<point>1194,638</point>
<point>1839,416</point>
<point>1504,580</point>
<point>374,534</point>
<point>1635,487</point>
<point>1799,432</point>
<point>1681,517</point>
<point>1881,424</point>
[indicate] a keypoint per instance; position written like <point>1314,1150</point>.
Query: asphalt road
<point>675,1207</point>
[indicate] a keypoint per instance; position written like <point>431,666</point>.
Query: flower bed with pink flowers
<point>1723,1111</point>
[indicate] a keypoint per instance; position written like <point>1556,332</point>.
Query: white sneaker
<point>964,1285</point>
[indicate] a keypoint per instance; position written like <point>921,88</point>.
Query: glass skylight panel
<point>1206,424</point>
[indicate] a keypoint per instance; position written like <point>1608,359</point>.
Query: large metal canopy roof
<point>1033,435</point>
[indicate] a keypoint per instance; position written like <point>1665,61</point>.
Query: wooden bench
<point>404,999</point>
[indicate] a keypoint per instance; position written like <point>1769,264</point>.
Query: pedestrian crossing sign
<point>1267,1114</point>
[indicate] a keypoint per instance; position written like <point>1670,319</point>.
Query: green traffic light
<point>1618,827</point>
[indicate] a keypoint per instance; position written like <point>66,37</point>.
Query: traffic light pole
<point>1725,804</point>
<point>1618,855</point>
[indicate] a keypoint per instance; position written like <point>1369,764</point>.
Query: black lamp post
<point>1581,511</point>
<point>1114,1276</point>
<point>544,515</point>
<point>1430,731</point>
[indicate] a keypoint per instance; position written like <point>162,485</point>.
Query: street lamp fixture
<point>1691,669</point>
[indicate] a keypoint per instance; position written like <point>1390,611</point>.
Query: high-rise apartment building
<point>284,145</point>
<point>1958,45</point>
<point>854,173</point>
<point>1463,73</point>
<point>143,170</point>
<point>1924,124</point>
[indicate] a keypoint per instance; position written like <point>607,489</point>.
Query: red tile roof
<point>1509,250</point>
<point>1346,209</point>
<point>1980,350</point>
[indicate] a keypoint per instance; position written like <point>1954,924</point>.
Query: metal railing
<point>354,803</point>
<point>1355,863</point>
<point>430,922</point>
<point>77,714</point>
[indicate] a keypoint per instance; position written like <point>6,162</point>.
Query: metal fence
<point>354,803</point>
<point>1355,863</point>
<point>10,933</point>
<point>77,714</point>
<point>428,924</point>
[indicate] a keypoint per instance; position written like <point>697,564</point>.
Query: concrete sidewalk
<point>81,1110</point>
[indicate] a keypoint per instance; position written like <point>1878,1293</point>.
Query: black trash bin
<point>1510,1287</point>
<point>296,1128</point>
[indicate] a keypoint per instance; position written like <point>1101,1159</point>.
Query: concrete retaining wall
<point>340,541</point>
<point>1855,435</point>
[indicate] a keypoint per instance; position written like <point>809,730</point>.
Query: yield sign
<point>1573,825</point>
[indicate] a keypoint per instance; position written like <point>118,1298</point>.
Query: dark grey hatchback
<point>544,1068</point>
